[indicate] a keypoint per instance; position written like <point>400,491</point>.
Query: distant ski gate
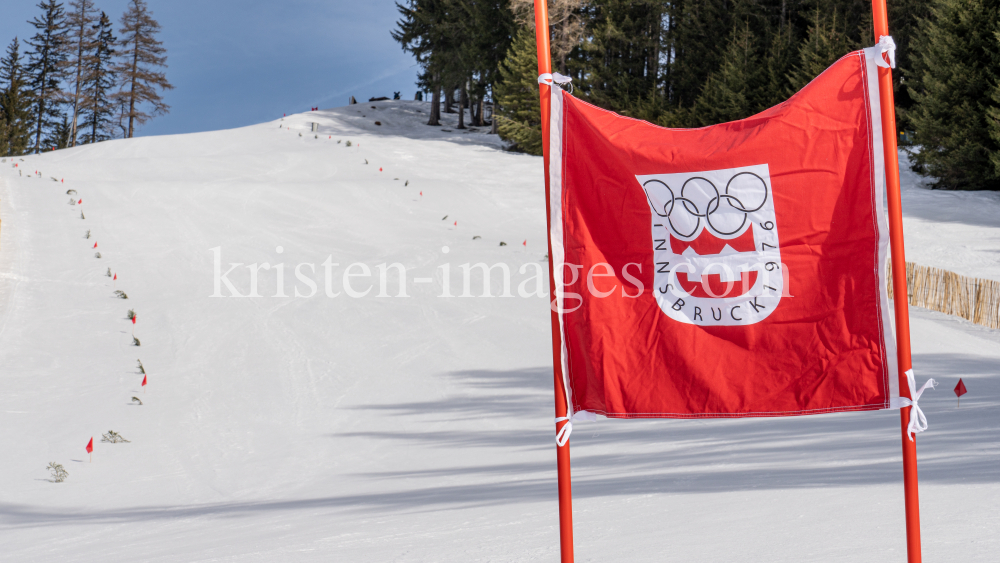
<point>760,251</point>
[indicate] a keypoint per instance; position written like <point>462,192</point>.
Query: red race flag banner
<point>90,446</point>
<point>134,317</point>
<point>728,271</point>
<point>960,389</point>
<point>143,380</point>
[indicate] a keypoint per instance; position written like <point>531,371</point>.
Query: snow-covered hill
<point>411,428</point>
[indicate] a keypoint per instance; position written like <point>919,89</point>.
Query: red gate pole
<point>899,292</point>
<point>562,452</point>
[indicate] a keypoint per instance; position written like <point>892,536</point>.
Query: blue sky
<point>238,62</point>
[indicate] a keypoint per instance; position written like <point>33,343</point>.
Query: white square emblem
<point>715,245</point>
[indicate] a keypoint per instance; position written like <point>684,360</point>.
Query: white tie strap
<point>918,422</point>
<point>886,45</point>
<point>562,435</point>
<point>554,78</point>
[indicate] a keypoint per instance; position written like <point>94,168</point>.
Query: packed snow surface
<point>413,428</point>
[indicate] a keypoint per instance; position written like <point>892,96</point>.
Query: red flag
<point>726,271</point>
<point>456,223</point>
<point>90,445</point>
<point>134,317</point>
<point>144,380</point>
<point>116,277</point>
<point>525,243</point>
<point>95,245</point>
<point>380,169</point>
<point>960,389</point>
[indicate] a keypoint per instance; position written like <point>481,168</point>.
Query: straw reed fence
<point>974,299</point>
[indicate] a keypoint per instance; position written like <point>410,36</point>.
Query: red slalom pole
<point>900,300</point>
<point>565,486</point>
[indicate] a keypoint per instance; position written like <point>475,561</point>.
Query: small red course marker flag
<point>134,317</point>
<point>116,277</point>
<point>79,202</point>
<point>144,383</point>
<point>90,448</point>
<point>95,245</point>
<point>960,390</point>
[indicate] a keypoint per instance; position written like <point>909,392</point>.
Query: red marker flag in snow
<point>134,317</point>
<point>726,271</point>
<point>90,446</point>
<point>116,277</point>
<point>960,389</point>
<point>95,245</point>
<point>143,380</point>
<point>79,202</point>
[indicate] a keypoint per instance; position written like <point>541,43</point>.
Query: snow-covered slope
<point>957,231</point>
<point>390,428</point>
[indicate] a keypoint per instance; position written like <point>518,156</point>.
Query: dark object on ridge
<point>395,95</point>
<point>352,101</point>
<point>379,99</point>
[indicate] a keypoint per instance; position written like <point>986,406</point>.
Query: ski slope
<point>406,429</point>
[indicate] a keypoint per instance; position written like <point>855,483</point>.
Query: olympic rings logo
<point>690,212</point>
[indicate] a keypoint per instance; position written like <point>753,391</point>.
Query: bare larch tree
<point>141,57</point>
<point>564,20</point>
<point>80,23</point>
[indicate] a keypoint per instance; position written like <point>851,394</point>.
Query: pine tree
<point>98,108</point>
<point>696,29</point>
<point>826,43</point>
<point>58,137</point>
<point>81,30</point>
<point>15,104</point>
<point>141,55</point>
<point>519,116</point>
<point>993,115</point>
<point>45,66</point>
<point>778,63</point>
<point>624,47</point>
<point>419,32</point>
<point>904,17</point>
<point>459,45</point>
<point>737,89</point>
<point>957,58</point>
